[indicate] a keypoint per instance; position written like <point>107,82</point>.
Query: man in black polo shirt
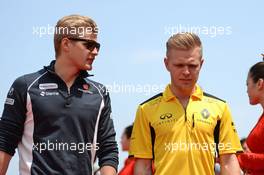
<point>57,117</point>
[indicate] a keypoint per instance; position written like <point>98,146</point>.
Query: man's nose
<point>95,51</point>
<point>186,70</point>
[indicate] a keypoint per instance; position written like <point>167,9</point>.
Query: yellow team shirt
<point>183,141</point>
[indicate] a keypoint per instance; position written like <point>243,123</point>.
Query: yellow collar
<point>197,94</point>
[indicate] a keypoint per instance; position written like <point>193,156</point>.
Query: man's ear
<point>260,84</point>
<point>202,61</point>
<point>166,63</point>
<point>65,45</point>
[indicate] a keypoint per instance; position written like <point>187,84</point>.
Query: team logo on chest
<point>46,86</point>
<point>45,93</point>
<point>85,86</point>
<point>205,113</point>
<point>165,116</point>
<point>85,89</point>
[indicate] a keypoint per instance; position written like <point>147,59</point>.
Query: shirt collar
<point>168,95</point>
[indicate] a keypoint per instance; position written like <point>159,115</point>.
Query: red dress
<point>128,169</point>
<point>253,162</point>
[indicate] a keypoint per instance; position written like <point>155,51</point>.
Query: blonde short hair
<point>73,26</point>
<point>184,41</point>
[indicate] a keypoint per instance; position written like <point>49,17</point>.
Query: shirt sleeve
<point>140,142</point>
<point>13,117</point>
<point>108,151</point>
<point>251,161</point>
<point>228,138</point>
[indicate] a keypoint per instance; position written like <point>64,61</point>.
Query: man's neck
<point>65,71</point>
<point>182,95</point>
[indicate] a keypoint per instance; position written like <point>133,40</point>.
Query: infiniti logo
<point>166,115</point>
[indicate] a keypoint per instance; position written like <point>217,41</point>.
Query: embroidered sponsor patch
<point>9,101</point>
<point>85,86</point>
<point>48,93</point>
<point>11,91</point>
<point>46,86</point>
<point>85,91</point>
<point>205,113</point>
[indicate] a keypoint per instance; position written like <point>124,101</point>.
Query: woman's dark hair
<point>257,71</point>
<point>243,140</point>
<point>128,131</point>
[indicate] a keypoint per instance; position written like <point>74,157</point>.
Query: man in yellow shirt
<point>183,128</point>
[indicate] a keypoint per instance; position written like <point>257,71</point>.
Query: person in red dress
<point>252,163</point>
<point>128,168</point>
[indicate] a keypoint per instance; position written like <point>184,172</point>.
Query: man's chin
<point>88,67</point>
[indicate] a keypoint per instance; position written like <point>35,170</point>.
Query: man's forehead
<point>186,60</point>
<point>90,36</point>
